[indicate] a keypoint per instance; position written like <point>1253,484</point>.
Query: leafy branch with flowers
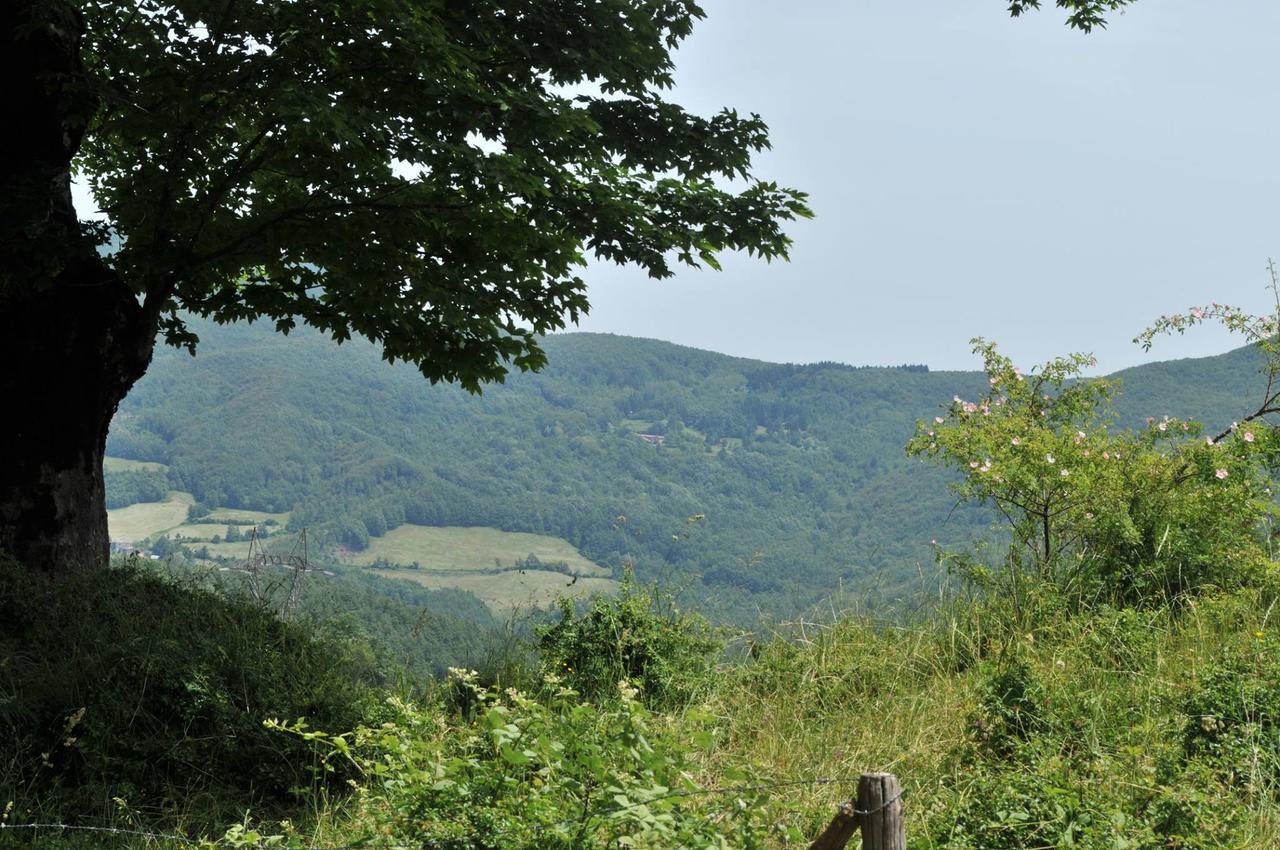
<point>1106,514</point>
<point>1263,332</point>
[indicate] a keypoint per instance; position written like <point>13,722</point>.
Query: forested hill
<point>773,486</point>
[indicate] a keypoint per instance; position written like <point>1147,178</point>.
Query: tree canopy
<point>430,175</point>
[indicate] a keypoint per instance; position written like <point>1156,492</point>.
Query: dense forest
<point>773,486</point>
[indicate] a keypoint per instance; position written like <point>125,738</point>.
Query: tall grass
<point>1104,762</point>
<point>129,697</point>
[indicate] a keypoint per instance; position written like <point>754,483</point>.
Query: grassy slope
<point>1103,766</point>
<point>505,591</point>
<point>135,523</point>
<point>470,549</point>
<point>837,700</point>
<point>240,514</point>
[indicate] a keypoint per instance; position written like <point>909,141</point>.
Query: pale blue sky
<point>974,174</point>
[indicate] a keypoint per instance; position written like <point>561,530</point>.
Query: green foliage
<point>1062,729</point>
<point>557,773</point>
<point>798,469</point>
<point>412,630</point>
<point>1070,745</point>
<point>129,488</point>
<point>638,636</point>
<point>1130,518</point>
<point>1085,15</point>
<point>399,628</point>
<point>1085,732</point>
<point>1011,707</point>
<point>1233,717</point>
<point>1041,806</point>
<point>282,162</point>
<point>136,686</point>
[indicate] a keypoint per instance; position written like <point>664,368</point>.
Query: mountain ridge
<point>796,470</point>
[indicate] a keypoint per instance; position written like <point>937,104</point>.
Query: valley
<point>757,489</point>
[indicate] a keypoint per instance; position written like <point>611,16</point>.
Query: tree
<point>1123,518</point>
<point>429,175</point>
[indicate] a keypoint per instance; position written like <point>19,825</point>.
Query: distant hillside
<point>758,486</point>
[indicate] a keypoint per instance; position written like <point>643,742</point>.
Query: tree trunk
<point>69,358</point>
<point>73,337</point>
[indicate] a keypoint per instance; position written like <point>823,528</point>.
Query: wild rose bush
<point>1262,332</point>
<point>1108,515</point>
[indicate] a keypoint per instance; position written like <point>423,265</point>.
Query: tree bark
<point>73,337</point>
<point>70,356</point>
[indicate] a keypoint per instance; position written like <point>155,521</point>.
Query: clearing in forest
<point>119,464</point>
<point>471,549</point>
<point>137,522</point>
<point>512,589</point>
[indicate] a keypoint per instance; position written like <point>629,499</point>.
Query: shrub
<point>555,773</point>
<point>1010,709</point>
<point>1039,806</point>
<point>1233,718</point>
<point>639,636</point>
<point>1127,519</point>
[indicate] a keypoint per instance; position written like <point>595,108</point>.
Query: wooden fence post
<point>880,797</point>
<point>839,831</point>
<point>878,811</point>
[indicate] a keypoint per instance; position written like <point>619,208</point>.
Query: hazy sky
<point>977,175</point>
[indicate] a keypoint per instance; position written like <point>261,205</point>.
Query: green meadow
<point>510,589</point>
<point>457,549</point>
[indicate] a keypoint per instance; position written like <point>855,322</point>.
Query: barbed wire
<point>785,783</point>
<point>201,842</point>
<point>862,813</point>
<point>739,789</point>
<point>184,839</point>
<point>847,808</point>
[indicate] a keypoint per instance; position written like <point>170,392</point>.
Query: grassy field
<point>239,514</point>
<point>469,549</point>
<point>203,530</point>
<point>138,522</point>
<point>640,426</point>
<point>119,464</point>
<point>513,589</point>
<point>281,544</point>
